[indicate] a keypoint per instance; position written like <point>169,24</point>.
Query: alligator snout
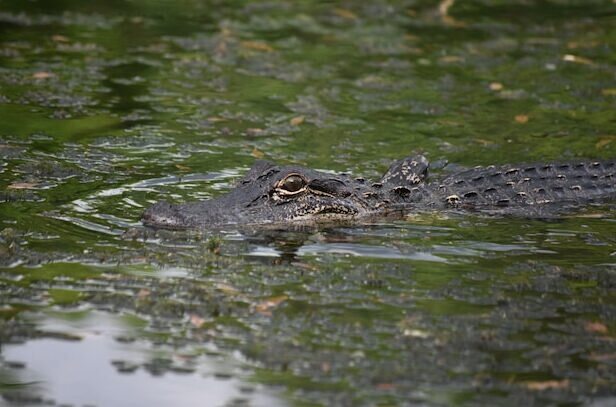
<point>163,214</point>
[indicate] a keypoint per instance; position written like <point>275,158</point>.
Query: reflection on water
<point>108,107</point>
<point>100,365</point>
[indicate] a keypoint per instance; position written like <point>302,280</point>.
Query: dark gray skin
<point>291,195</point>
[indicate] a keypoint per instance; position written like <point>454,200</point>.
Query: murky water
<point>108,107</point>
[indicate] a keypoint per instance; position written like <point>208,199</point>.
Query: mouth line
<point>326,212</point>
<point>337,210</point>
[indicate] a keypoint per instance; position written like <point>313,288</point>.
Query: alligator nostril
<point>401,191</point>
<point>163,215</point>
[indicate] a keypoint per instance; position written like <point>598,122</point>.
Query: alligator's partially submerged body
<point>272,194</point>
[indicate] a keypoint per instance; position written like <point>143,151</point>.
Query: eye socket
<point>293,183</point>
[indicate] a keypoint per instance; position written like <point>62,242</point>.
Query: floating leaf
<point>449,59</point>
<point>484,142</point>
<point>577,59</point>
<point>143,294</point>
<point>266,306</point>
<point>345,13</point>
<point>582,44</point>
<point>59,38</point>
<point>296,121</point>
<point>22,185</point>
<point>385,386</point>
<point>608,92</point>
<point>521,118</point>
<point>547,385</point>
<point>257,153</point>
<point>257,46</point>
<point>443,10</point>
<point>602,357</point>
<point>42,75</point>
<point>604,141</point>
<point>182,167</point>
<point>227,289</point>
<point>415,333</point>
<point>595,327</point>
<point>197,321</point>
<point>254,131</point>
<point>496,86</point>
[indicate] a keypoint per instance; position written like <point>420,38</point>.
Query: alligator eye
<point>293,183</point>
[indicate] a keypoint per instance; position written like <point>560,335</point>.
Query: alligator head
<point>272,194</point>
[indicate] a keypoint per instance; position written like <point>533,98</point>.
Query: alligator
<point>270,194</point>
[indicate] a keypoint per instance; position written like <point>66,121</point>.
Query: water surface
<point>108,107</point>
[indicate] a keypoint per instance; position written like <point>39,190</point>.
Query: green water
<point>109,106</point>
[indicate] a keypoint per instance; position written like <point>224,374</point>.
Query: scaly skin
<point>282,195</point>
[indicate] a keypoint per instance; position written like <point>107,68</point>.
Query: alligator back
<point>526,187</point>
